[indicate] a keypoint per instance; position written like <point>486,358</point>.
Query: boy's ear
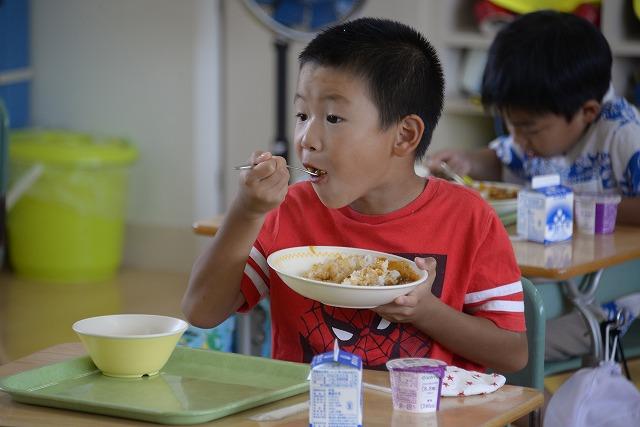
<point>410,130</point>
<point>590,110</point>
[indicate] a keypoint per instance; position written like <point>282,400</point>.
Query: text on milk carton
<point>545,212</point>
<point>335,389</point>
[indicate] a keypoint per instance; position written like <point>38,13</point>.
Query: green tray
<point>195,386</point>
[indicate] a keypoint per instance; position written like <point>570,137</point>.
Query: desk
<point>207,227</point>
<point>585,255</point>
<point>496,409</point>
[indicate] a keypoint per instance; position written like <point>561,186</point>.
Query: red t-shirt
<point>476,272</point>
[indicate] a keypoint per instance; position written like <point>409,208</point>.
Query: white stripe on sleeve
<point>260,260</point>
<point>257,280</point>
<point>498,291</point>
<point>499,305</point>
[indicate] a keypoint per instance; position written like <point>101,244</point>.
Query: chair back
<point>532,375</point>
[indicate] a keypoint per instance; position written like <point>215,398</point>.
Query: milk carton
<point>335,389</point>
<point>545,213</point>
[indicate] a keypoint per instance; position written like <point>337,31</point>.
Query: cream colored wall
<point>146,70</point>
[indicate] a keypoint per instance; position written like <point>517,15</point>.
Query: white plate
<point>503,206</point>
<point>292,263</point>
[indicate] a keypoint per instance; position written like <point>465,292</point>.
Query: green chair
<point>532,375</point>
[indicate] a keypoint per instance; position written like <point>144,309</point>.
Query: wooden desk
<point>207,227</point>
<point>587,256</point>
<point>495,409</point>
<point>584,254</point>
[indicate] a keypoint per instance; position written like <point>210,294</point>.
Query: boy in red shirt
<point>368,97</point>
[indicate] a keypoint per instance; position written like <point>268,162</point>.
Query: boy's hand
<point>263,187</point>
<point>413,306</point>
<point>458,160</point>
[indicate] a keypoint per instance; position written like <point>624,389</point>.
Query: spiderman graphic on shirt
<point>364,332</point>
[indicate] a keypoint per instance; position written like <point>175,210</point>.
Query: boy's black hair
<point>547,62</point>
<point>399,66</point>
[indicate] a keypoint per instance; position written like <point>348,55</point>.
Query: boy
<point>368,97</point>
<point>548,75</point>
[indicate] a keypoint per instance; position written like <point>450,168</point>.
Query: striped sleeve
<point>255,279</point>
<point>506,298</point>
<point>495,292</point>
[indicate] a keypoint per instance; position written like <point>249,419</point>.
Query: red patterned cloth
<point>460,382</point>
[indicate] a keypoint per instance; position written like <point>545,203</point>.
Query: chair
<point>532,375</point>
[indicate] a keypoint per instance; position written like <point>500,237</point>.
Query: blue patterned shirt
<point>606,158</point>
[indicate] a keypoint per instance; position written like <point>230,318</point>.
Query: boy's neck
<point>391,197</point>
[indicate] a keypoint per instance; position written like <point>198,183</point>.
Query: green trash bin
<point>67,222</point>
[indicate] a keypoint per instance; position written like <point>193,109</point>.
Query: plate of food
<point>502,196</point>
<point>346,277</point>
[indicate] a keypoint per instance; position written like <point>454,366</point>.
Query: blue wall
<point>15,56</point>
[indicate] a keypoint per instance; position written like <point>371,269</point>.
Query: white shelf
<point>626,48</point>
<point>467,40</point>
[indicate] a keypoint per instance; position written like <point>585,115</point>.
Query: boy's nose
<point>310,138</point>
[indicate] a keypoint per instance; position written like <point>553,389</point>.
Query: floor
<point>35,315</point>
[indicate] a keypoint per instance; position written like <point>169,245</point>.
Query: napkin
<point>460,382</point>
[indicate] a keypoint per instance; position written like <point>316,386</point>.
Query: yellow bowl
<point>130,345</point>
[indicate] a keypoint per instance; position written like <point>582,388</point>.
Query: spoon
<point>453,175</point>
<point>243,167</point>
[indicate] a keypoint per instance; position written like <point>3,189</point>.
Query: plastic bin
<point>68,225</point>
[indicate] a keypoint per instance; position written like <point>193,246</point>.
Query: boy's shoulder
<point>617,130</point>
<point>451,201</point>
<point>617,112</point>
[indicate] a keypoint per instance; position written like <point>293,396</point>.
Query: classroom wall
<point>146,70</point>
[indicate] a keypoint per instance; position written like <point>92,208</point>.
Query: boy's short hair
<point>399,66</point>
<point>547,62</point>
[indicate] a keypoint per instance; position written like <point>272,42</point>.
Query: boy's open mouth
<point>318,172</point>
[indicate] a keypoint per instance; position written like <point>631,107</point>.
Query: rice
<point>361,270</point>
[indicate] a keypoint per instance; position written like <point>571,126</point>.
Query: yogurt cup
<point>595,213</point>
<point>416,383</point>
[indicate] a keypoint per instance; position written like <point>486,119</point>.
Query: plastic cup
<point>416,383</point>
<point>595,213</point>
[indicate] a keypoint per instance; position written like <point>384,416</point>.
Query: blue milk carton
<point>335,390</point>
<point>545,212</point>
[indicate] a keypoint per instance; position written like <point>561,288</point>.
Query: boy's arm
<point>214,285</point>
<point>481,164</point>
<point>474,338</point>
<point>629,211</point>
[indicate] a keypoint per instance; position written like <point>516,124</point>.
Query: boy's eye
<point>331,118</point>
<point>301,116</point>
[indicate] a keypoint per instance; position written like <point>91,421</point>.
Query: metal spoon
<point>453,175</point>
<point>243,167</point>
